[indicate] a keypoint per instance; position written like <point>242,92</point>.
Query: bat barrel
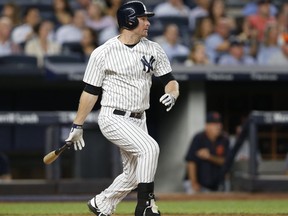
<point>52,156</point>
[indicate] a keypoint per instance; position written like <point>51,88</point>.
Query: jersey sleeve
<point>163,65</point>
<point>95,70</point>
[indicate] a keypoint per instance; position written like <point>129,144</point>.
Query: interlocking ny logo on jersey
<point>148,66</point>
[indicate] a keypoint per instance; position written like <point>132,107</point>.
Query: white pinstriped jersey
<point>125,74</point>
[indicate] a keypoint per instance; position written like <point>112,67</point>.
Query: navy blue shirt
<point>207,172</point>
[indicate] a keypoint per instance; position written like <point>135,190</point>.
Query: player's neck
<point>129,39</point>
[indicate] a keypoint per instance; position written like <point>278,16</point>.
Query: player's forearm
<point>172,88</point>
<point>86,104</point>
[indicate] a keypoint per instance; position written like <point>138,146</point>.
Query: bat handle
<point>63,148</point>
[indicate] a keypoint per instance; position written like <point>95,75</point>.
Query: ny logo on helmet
<point>148,66</point>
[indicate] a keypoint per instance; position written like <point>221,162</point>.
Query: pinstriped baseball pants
<point>139,153</point>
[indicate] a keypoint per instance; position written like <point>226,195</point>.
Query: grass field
<point>178,207</point>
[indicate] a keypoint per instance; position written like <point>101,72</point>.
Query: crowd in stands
<point>191,32</point>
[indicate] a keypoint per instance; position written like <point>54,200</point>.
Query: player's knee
<point>153,150</point>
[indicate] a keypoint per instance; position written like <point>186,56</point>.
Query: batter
<point>121,70</point>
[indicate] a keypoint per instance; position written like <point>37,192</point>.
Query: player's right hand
<point>168,100</point>
<point>76,137</point>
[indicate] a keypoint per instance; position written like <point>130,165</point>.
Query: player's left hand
<point>76,137</point>
<point>168,100</point>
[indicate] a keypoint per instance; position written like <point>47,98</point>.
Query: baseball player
<point>121,69</point>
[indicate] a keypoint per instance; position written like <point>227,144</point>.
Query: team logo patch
<point>220,150</point>
<point>148,66</point>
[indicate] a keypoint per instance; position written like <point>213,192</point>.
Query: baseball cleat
<point>95,209</point>
<point>152,209</point>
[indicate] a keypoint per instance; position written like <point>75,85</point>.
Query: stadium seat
<point>63,59</point>
<point>18,60</point>
<point>179,59</point>
<point>18,64</point>
<point>178,20</point>
<point>64,66</point>
<point>71,47</point>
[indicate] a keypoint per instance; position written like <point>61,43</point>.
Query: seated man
<point>236,54</point>
<point>205,157</point>
<point>170,41</point>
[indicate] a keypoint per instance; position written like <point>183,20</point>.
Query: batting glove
<point>168,100</point>
<point>76,137</point>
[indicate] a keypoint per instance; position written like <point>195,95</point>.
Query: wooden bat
<point>53,155</point>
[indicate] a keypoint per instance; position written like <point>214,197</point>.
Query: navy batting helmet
<point>127,14</point>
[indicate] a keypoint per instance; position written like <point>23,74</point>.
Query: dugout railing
<point>253,178</point>
<point>83,164</point>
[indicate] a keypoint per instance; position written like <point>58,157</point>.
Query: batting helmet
<point>127,14</point>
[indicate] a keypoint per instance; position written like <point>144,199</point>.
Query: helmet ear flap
<point>132,21</point>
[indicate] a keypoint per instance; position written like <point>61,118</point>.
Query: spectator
<point>170,42</point>
<point>24,32</point>
<point>80,4</point>
<point>5,172</point>
<point>172,8</point>
<point>112,7</point>
<point>12,11</point>
<point>72,32</point>
<point>281,57</point>
<point>97,18</point>
<point>236,55</point>
<point>89,42</point>
<point>62,12</point>
<point>206,155</point>
<point>40,45</point>
<point>204,28</point>
<point>217,11</point>
<point>218,43</point>
<point>197,55</point>
<point>201,10</point>
<point>249,36</point>
<point>7,47</point>
<point>282,17</point>
<point>251,8</point>
<point>86,46</point>
<point>269,46</point>
<point>109,32</point>
<point>262,18</point>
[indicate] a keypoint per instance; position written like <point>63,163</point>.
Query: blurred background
<point>228,56</point>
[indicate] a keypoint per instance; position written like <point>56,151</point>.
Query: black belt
<point>132,114</point>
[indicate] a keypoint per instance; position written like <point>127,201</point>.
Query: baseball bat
<point>53,155</point>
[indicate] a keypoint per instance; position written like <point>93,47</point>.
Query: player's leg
<point>131,136</point>
<point>108,199</point>
<point>145,190</point>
